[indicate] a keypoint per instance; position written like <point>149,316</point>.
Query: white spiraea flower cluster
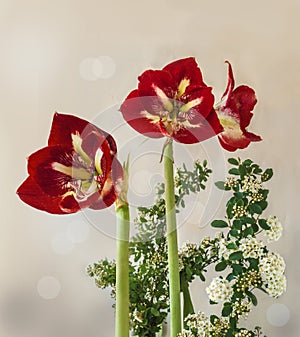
<point>251,247</point>
<point>223,250</point>
<point>231,182</point>
<point>188,250</point>
<point>199,325</point>
<point>243,333</point>
<point>250,184</point>
<point>272,269</point>
<point>198,322</point>
<point>219,290</point>
<point>241,308</point>
<point>186,333</point>
<point>275,231</point>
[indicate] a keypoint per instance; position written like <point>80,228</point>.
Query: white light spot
<point>90,68</point>
<point>278,315</point>
<point>78,231</point>
<point>94,68</point>
<point>61,244</point>
<point>48,287</point>
<point>108,67</point>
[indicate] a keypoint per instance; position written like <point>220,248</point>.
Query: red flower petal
<point>209,128</point>
<point>241,103</point>
<point>205,99</point>
<point>111,189</point>
<point>151,82</point>
<point>31,193</point>
<point>63,126</point>
<point>230,83</point>
<point>235,114</point>
<point>185,69</point>
<point>132,109</point>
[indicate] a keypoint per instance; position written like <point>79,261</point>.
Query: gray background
<point>52,59</point>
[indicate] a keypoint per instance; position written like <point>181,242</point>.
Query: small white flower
<point>250,184</point>
<point>243,333</point>
<point>251,247</point>
<point>272,269</point>
<point>219,290</point>
<point>275,231</point>
<point>223,250</point>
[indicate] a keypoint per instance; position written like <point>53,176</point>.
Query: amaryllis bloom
<point>173,102</point>
<point>235,113</point>
<point>77,169</point>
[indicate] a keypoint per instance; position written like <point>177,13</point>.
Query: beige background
<point>46,65</point>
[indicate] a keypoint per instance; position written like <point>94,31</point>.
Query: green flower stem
<point>122,271</point>
<point>174,281</point>
<point>188,307</point>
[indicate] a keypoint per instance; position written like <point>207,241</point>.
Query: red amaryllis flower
<point>77,169</point>
<point>173,102</point>
<point>235,113</point>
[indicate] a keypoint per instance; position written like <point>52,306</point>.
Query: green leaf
<point>237,224</point>
<point>255,208</point>
<point>267,175</point>
<point>213,318</point>
<point>219,224</point>
<point>229,333</point>
<point>154,312</point>
<point>251,296</point>
<point>230,277</point>
<point>227,310</point>
<point>263,204</point>
<point>242,170</point>
<point>236,256</point>
<point>237,268</point>
<point>234,171</point>
<point>220,185</point>
<point>239,195</point>
<point>221,266</point>
<point>247,162</point>
<point>233,161</point>
<point>248,231</point>
<point>231,245</point>
<point>253,263</point>
<point>202,277</point>
<point>233,232</point>
<point>263,224</point>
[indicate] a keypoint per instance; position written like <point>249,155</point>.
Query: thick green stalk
<point>174,281</point>
<point>122,271</point>
<point>188,307</point>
